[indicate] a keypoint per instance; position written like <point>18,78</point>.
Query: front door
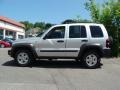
<point>53,43</point>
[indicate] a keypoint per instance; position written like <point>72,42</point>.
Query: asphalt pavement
<point>58,75</point>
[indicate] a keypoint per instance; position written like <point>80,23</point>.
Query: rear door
<point>77,36</point>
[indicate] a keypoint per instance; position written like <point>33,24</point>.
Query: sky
<point>52,11</point>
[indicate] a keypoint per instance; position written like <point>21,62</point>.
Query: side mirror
<point>44,38</point>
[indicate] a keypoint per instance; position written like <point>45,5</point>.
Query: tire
<point>2,46</point>
<point>91,60</point>
<point>77,60</point>
<point>50,59</point>
<point>24,58</point>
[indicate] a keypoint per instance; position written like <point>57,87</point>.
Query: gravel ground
<point>58,75</point>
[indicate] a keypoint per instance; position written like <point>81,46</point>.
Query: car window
<point>57,32</point>
<point>1,37</point>
<point>77,32</point>
<point>40,34</point>
<point>96,31</point>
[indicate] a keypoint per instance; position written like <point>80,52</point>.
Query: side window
<point>96,31</point>
<point>77,32</point>
<point>55,33</point>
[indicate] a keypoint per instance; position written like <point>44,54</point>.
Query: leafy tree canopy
<point>108,14</point>
<point>27,24</point>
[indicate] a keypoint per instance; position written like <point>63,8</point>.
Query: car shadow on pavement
<point>51,64</point>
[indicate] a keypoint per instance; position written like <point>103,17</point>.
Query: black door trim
<point>58,50</point>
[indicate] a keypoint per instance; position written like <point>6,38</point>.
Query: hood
<point>27,40</point>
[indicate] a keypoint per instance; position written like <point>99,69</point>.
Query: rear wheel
<point>24,58</point>
<point>91,59</point>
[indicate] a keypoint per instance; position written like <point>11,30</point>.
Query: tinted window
<point>96,31</point>
<point>77,32</point>
<point>57,32</point>
<point>40,34</point>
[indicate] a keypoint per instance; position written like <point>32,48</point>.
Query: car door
<point>53,43</point>
<point>77,36</point>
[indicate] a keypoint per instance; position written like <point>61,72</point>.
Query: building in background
<point>11,29</point>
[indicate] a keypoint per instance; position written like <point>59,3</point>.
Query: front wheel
<point>91,59</point>
<point>23,58</point>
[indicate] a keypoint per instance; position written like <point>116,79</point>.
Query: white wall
<point>19,33</point>
<point>18,30</point>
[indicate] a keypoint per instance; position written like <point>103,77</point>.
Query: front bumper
<point>107,53</point>
<point>9,52</point>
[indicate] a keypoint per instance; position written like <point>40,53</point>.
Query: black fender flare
<point>87,47</point>
<point>19,46</point>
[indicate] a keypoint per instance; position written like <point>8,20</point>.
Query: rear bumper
<point>107,53</point>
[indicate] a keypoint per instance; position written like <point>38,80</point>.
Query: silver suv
<point>87,42</point>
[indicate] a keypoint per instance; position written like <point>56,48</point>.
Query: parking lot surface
<point>58,75</point>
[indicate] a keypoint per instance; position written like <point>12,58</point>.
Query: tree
<point>42,25</point>
<point>109,15</point>
<point>94,10</point>
<point>27,24</point>
<point>48,25</point>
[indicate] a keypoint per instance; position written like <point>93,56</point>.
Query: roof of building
<point>5,19</point>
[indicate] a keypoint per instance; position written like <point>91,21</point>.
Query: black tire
<point>77,60</point>
<point>27,56</point>
<point>91,59</point>
<point>50,59</point>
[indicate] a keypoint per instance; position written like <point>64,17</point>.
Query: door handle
<point>60,41</point>
<point>84,40</point>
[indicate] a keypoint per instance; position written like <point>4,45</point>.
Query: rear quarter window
<point>96,31</point>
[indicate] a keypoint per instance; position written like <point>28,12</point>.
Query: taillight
<point>108,43</point>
